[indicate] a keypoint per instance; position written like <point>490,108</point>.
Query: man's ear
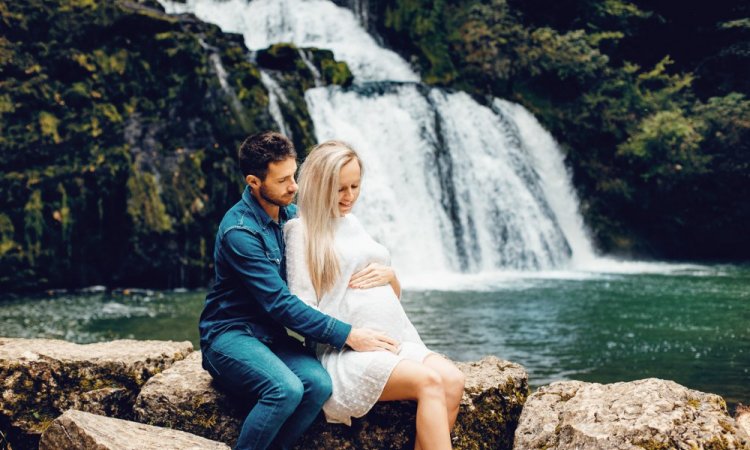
<point>252,181</point>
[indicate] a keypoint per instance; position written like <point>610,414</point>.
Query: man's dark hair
<point>261,149</point>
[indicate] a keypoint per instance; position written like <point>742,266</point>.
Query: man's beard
<point>274,201</point>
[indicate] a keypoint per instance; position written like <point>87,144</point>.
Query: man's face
<point>279,186</point>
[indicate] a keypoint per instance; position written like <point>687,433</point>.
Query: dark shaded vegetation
<point>649,100</point>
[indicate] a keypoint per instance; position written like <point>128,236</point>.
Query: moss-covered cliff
<point>118,131</point>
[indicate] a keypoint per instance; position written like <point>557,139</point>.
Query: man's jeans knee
<point>288,382</point>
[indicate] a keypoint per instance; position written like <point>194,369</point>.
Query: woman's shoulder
<point>293,224</point>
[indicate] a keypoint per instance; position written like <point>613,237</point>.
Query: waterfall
<point>556,180</point>
<point>275,95</point>
<point>317,78</point>
<point>450,185</point>
<point>312,23</point>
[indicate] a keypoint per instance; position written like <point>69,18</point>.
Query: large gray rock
<point>77,430</point>
<point>184,398</point>
<point>646,414</point>
<point>742,416</point>
<point>41,378</point>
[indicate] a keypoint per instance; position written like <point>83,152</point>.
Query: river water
<point>687,323</point>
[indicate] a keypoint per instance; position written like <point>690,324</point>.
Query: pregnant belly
<point>377,308</point>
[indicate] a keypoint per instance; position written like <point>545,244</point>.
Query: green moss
<point>281,56</point>
<point>6,104</point>
<point>82,60</point>
<point>7,233</point>
<point>109,111</point>
<point>114,63</point>
<point>48,124</point>
<point>33,225</point>
<point>717,443</point>
<point>145,206</point>
<point>655,445</point>
<point>494,418</point>
<point>336,72</point>
<point>726,426</point>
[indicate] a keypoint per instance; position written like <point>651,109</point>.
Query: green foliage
<point>48,124</point>
<point>7,234</point>
<point>336,72</point>
<point>33,225</point>
<point>420,24</point>
<point>666,143</point>
<point>654,164</point>
<point>145,206</point>
<point>565,56</point>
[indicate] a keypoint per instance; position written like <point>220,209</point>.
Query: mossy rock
<point>185,398</point>
<point>648,414</point>
<point>41,378</point>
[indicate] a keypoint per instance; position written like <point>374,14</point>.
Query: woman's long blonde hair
<point>318,201</point>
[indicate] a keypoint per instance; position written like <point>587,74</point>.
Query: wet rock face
<point>643,414</point>
<point>184,398</point>
<point>41,378</point>
<point>77,430</point>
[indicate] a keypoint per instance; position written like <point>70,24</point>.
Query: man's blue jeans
<point>288,381</point>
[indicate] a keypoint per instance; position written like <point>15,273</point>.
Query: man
<point>245,346</point>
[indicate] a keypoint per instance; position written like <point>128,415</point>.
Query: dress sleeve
<point>297,273</point>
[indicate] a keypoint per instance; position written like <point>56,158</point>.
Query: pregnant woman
<point>325,247</point>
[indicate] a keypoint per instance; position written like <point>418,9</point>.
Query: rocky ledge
<point>76,430</point>
<point>162,387</point>
<point>184,398</point>
<point>743,418</point>
<point>43,378</point>
<point>648,414</point>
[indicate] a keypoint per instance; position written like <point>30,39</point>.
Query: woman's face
<point>349,180</point>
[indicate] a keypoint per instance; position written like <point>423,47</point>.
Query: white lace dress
<point>358,377</point>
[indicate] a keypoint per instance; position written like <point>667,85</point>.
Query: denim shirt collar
<point>261,216</point>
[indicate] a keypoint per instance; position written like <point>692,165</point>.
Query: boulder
<point>183,397</point>
<point>742,416</point>
<point>637,415</point>
<point>41,378</point>
<point>77,430</point>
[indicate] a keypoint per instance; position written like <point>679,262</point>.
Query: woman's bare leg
<point>415,381</point>
<point>453,383</point>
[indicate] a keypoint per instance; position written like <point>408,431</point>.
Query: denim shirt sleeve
<point>244,251</point>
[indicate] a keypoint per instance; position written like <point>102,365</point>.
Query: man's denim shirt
<point>250,289</point>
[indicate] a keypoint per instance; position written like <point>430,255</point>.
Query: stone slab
<point>646,414</point>
<point>77,430</point>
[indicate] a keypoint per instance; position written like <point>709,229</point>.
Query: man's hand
<point>373,275</point>
<point>367,340</point>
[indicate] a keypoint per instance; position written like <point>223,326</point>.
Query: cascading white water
<point>555,179</point>
<point>312,23</point>
<point>275,96</point>
<point>450,185</point>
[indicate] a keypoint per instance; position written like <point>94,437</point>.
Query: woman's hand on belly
<point>375,275</point>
